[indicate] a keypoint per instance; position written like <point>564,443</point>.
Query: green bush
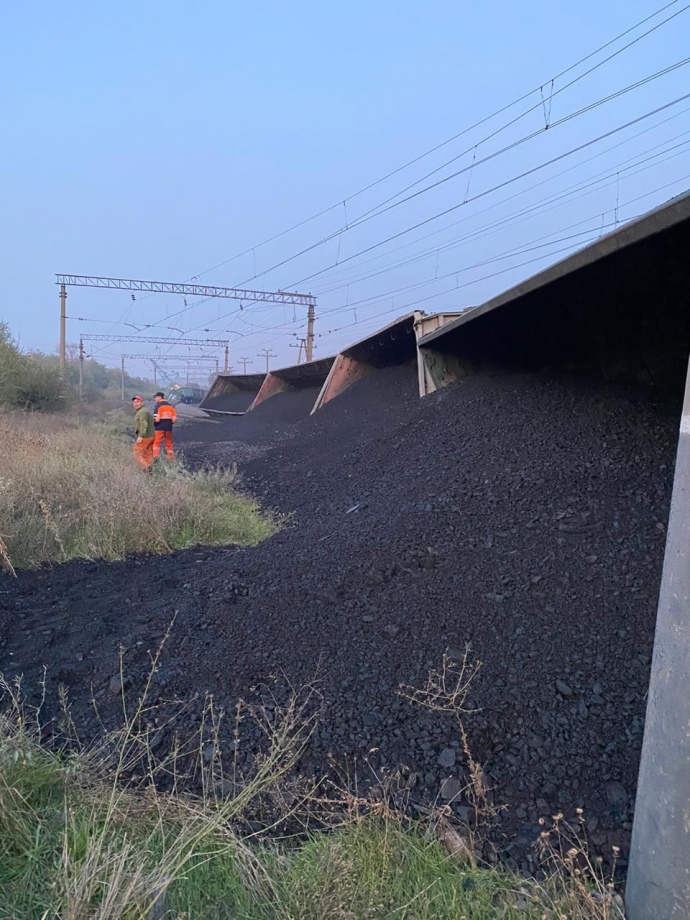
<point>26,384</point>
<point>40,388</point>
<point>10,367</point>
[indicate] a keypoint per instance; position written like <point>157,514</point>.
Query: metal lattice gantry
<point>151,340</point>
<point>155,340</point>
<point>191,289</point>
<point>195,359</point>
<point>194,365</point>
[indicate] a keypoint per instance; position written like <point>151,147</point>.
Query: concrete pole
<point>81,369</point>
<point>63,329</point>
<point>122,379</point>
<point>227,358</point>
<point>310,333</point>
<point>658,886</point>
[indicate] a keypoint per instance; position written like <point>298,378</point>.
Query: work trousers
<point>160,437</point>
<point>143,453</point>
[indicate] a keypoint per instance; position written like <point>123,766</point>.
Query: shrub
<point>10,367</point>
<point>24,383</point>
<point>40,388</point>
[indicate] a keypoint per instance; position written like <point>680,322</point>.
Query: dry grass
<point>70,488</point>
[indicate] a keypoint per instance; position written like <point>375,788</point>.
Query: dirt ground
<point>522,514</point>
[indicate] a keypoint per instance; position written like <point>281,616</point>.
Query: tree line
<point>32,380</point>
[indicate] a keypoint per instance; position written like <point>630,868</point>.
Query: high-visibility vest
<point>164,417</point>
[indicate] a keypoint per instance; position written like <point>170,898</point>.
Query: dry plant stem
<point>565,851</point>
<point>446,691</point>
<point>288,742</point>
<point>5,561</point>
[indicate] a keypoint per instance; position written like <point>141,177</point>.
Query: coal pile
<point>239,401</point>
<point>238,439</point>
<point>522,514</point>
<point>288,407</point>
<point>365,410</point>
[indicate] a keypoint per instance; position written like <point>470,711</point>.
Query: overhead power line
<point>530,209</point>
<point>461,133</point>
<point>158,287</point>
<point>492,156</point>
<point>156,357</point>
<point>401,308</point>
<point>381,209</point>
<point>548,204</point>
<point>505,183</point>
<point>567,118</point>
<point>548,124</point>
<point>554,91</point>
<point>267,354</point>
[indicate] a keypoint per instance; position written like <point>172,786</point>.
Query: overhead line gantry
<point>194,363</point>
<point>153,340</point>
<point>156,340</point>
<point>192,358</point>
<point>191,289</point>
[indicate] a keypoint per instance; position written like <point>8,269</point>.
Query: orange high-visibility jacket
<point>164,416</point>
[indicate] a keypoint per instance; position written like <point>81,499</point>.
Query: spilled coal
<point>522,514</point>
<point>238,401</point>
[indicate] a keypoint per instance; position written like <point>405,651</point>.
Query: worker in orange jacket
<point>164,418</point>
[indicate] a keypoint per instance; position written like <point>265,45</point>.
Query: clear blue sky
<point>156,140</point>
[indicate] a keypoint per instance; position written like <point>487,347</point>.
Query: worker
<point>145,434</point>
<point>164,418</point>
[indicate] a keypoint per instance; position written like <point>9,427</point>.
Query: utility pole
<point>244,362</point>
<point>155,376</point>
<point>310,332</point>
<point>267,353</point>
<point>122,379</point>
<point>227,358</point>
<point>63,324</point>
<point>81,369</point>
<point>300,343</point>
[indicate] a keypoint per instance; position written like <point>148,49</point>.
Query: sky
<point>169,141</point>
